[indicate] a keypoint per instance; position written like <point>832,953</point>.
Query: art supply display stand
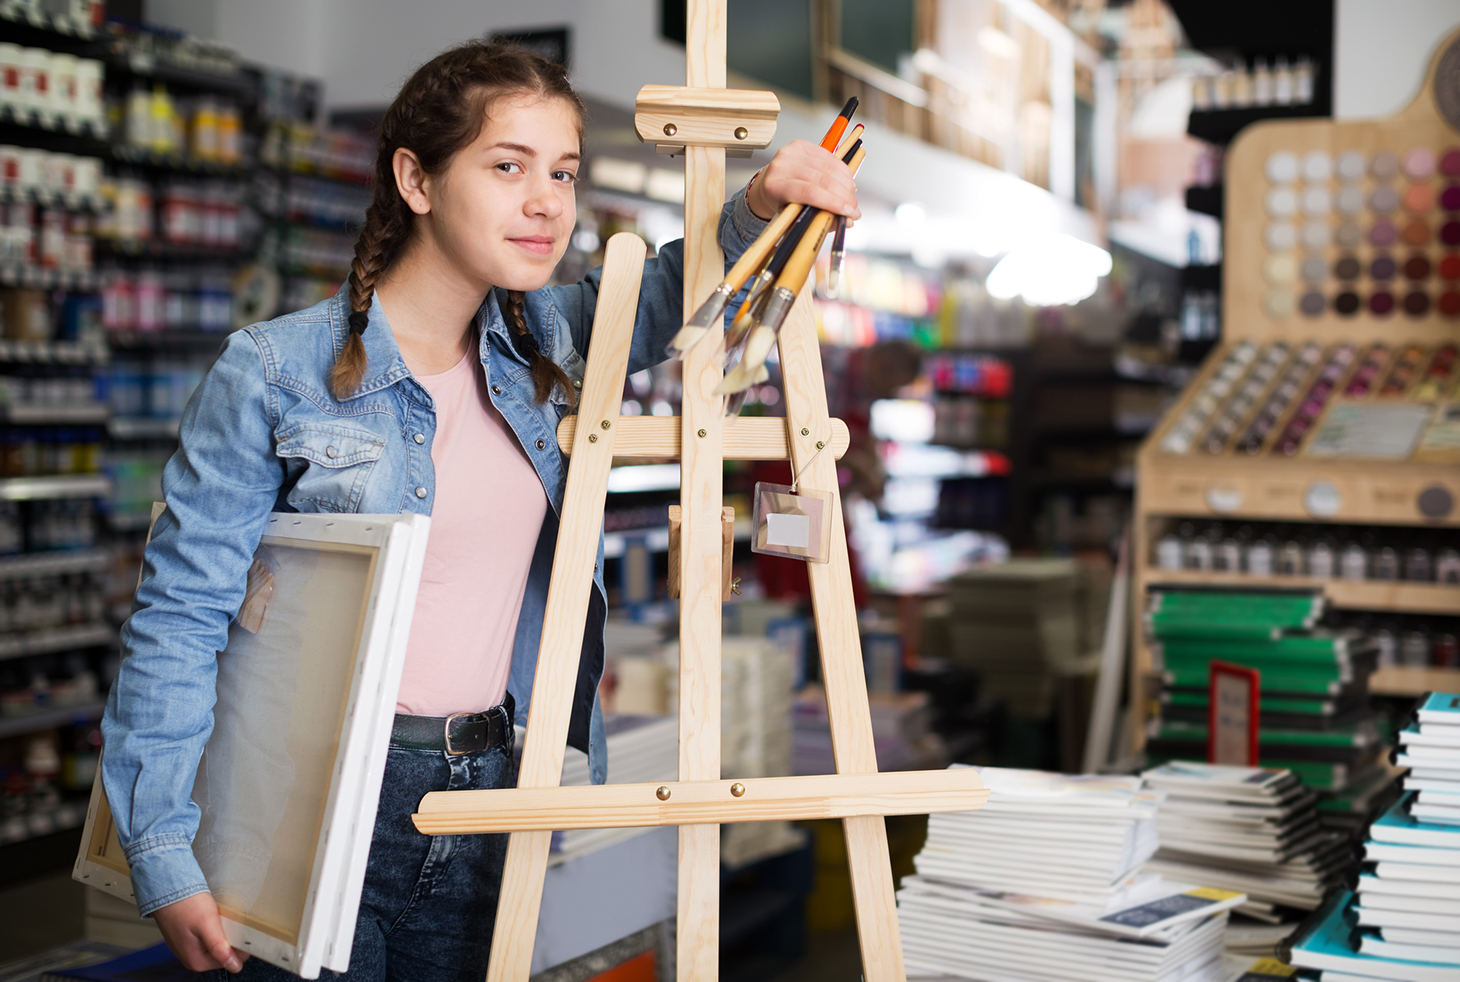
<point>1418,487</point>
<point>701,121</point>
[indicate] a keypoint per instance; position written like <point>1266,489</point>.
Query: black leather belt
<point>459,733</point>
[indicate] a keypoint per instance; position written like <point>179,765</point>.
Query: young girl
<point>432,383</point>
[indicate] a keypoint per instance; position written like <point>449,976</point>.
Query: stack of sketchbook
<point>1314,719</point>
<point>1044,882</point>
<point>1015,624</point>
<point>640,749</point>
<point>1247,829</point>
<point>1403,920</point>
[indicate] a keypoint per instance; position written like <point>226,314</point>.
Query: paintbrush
<point>753,257</point>
<point>838,254</point>
<point>759,290</point>
<point>751,369</point>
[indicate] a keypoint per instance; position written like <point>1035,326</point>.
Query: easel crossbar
<point>766,799</point>
<point>746,437</point>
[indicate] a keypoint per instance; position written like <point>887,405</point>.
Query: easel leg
<point>567,601</point>
<point>841,648</point>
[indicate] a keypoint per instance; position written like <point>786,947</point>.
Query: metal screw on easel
<point>662,794</point>
<point>820,444</point>
<point>606,424</point>
<point>737,789</point>
<point>702,434</point>
<point>670,129</point>
<point>593,438</point>
<point>805,431</point>
<point>741,132</point>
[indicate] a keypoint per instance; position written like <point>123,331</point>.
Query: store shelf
<point>142,428</point>
<point>129,521</point>
<point>43,278</point>
<point>139,157</point>
<point>1207,200</point>
<point>656,539</point>
<point>58,486</point>
<point>171,251</point>
<point>1396,596</point>
<point>59,415</point>
<point>1413,682</point>
<point>354,180</point>
<point>1220,125</point>
<point>146,66</point>
<point>166,340</point>
<point>32,565</point>
<point>52,352</point>
<point>22,828</point>
<point>45,719</point>
<point>58,27</point>
<point>54,639</point>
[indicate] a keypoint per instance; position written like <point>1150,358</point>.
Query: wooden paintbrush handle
<point>754,257</point>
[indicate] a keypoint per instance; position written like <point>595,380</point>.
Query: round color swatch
<point>1315,235</point>
<point>1349,201</point>
<point>1317,167</point>
<point>1280,270</point>
<point>1278,303</point>
<point>1313,303</point>
<point>1419,198</point>
<point>1282,167</point>
<point>1316,202</point>
<point>1416,267</point>
<point>1350,167</point>
<point>1450,162</point>
<point>1280,236</point>
<point>1450,198</point>
<point>1347,268</point>
<point>1314,269</point>
<point>1383,234</point>
<point>1346,302</point>
<point>1419,164</point>
<point>1281,203</point>
<point>1416,303</point>
<point>1382,268</point>
<point>1348,235</point>
<point>1384,200</point>
<point>1418,233</point>
<point>1449,303</point>
<point>1384,166</point>
<point>1450,233</point>
<point>1450,267</point>
<point>1381,303</point>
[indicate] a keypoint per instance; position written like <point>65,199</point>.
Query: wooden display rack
<point>1267,487</point>
<point>702,121</point>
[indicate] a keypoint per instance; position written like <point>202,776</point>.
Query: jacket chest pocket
<point>328,465</point>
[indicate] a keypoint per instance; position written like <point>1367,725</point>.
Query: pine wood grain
<point>567,600</point>
<point>743,437</point>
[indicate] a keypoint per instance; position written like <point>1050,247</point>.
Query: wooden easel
<point>704,119</point>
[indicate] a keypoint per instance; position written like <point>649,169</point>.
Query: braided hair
<point>439,111</point>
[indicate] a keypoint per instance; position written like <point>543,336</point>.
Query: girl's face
<point>502,211</point>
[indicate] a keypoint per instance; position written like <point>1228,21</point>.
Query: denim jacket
<point>263,433</point>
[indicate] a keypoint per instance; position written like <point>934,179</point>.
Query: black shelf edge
<point>1219,126</point>
<point>153,249</point>
<point>1206,200</point>
<point>177,163</point>
<point>144,66</point>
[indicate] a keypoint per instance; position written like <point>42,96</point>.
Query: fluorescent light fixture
<point>1053,270</point>
<point>614,174</point>
<point>643,477</point>
<point>911,214</point>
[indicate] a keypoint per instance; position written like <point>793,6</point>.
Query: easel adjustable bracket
<point>673,117</point>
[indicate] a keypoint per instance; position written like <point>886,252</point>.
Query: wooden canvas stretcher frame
<point>394,547</point>
<point>700,799</point>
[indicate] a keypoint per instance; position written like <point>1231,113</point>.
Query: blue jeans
<point>430,901</point>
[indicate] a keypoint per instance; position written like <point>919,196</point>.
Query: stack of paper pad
<point>1314,715</point>
<point>1044,883</point>
<point>640,749</point>
<point>1251,830</point>
<point>1404,920</point>
<point>1014,623</point>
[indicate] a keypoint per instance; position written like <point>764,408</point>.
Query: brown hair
<point>440,110</point>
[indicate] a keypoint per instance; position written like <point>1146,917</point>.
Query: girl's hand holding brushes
<point>799,174</point>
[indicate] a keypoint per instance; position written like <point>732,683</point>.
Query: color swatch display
<point>1336,400</point>
<point>1356,232</point>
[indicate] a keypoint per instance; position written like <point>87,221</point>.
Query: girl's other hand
<point>803,173</point>
<point>194,931</point>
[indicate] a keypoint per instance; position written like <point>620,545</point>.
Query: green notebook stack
<point>1314,713</point>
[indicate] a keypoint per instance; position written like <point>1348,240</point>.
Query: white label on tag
<point>788,530</point>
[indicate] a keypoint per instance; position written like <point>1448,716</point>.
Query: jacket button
<point>577,383</point>
<point>420,492</point>
<point>541,444</point>
<point>496,390</point>
<point>419,438</point>
<point>331,452</point>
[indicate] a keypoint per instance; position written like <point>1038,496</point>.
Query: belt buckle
<point>451,750</point>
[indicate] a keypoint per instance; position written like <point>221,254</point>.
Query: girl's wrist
<point>756,195</point>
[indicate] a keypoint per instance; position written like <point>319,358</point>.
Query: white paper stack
<point>1430,747</point>
<point>1249,829</point>
<point>640,749</point>
<point>1043,884</point>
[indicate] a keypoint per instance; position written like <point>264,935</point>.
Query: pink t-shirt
<point>484,525</point>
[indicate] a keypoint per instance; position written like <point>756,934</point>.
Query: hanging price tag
<point>791,522</point>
